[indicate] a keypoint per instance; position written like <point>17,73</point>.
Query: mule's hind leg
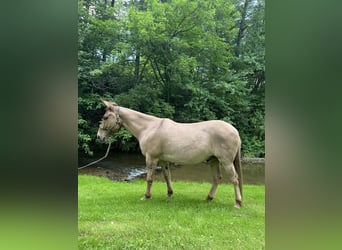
<point>167,176</point>
<point>235,180</point>
<point>216,172</point>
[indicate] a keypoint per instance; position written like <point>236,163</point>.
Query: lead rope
<point>98,159</point>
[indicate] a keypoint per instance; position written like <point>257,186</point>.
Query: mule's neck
<point>136,122</point>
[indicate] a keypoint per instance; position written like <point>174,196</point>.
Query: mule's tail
<point>237,166</point>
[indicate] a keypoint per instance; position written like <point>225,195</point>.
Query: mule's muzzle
<point>101,138</point>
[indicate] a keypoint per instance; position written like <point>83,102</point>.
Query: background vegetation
<point>186,60</point>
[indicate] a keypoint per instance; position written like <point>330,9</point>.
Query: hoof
<point>209,198</point>
<point>238,204</point>
<point>169,193</point>
<point>145,197</point>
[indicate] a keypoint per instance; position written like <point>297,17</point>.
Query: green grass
<point>112,216</point>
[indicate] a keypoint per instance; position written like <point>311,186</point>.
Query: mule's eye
<point>105,118</point>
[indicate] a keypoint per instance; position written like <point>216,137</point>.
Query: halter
<point>118,121</point>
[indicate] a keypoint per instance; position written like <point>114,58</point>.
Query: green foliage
<point>146,98</point>
<point>178,59</point>
<point>124,140</point>
<point>83,138</point>
<point>112,216</point>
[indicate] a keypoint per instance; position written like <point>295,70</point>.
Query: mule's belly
<point>184,160</point>
<point>188,155</point>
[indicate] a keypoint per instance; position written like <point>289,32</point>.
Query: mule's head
<point>111,121</point>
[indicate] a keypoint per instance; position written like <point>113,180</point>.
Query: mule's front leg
<point>151,166</point>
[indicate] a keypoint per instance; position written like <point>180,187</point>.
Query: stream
<point>119,166</point>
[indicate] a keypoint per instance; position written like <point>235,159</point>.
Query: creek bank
<point>138,171</point>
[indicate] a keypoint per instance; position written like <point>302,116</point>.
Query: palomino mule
<point>162,141</point>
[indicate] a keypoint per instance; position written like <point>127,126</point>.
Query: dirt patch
<point>110,174</point>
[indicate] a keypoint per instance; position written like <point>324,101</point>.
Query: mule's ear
<point>108,104</point>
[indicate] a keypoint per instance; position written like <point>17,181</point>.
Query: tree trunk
<point>242,27</point>
<point>137,67</point>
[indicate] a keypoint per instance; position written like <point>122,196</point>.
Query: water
<point>129,166</point>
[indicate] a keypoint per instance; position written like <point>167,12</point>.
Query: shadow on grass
<point>185,202</point>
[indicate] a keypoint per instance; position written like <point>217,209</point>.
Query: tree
<point>250,65</point>
<point>175,59</point>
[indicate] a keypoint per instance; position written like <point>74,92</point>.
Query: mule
<point>164,141</point>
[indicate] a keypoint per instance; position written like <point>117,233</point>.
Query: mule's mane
<point>139,114</point>
<point>135,121</point>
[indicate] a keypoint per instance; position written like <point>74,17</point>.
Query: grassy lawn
<point>112,216</point>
